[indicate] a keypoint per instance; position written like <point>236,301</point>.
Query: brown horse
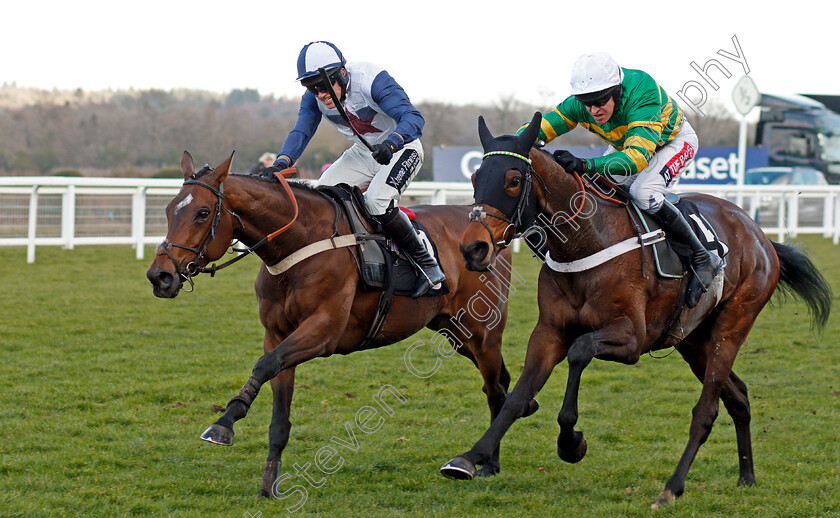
<point>616,311</point>
<point>317,308</point>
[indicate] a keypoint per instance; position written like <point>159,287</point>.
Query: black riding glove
<point>383,152</point>
<point>268,173</point>
<point>569,162</point>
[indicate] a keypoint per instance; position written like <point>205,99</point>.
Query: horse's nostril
<point>478,250</point>
<point>160,279</point>
<point>164,280</point>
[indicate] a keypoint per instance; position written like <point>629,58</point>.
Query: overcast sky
<point>456,52</point>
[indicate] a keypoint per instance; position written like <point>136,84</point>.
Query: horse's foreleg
<point>282,387</point>
<point>545,350</point>
<point>490,364</point>
<point>616,342</point>
<point>310,340</point>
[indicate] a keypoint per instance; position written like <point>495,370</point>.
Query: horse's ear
<point>223,169</point>
<point>187,165</point>
<point>484,133</point>
<point>529,136</point>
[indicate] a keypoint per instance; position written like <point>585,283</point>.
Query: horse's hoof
<point>533,406</point>
<point>270,476</point>
<point>665,498</point>
<point>575,455</point>
<point>459,468</point>
<point>488,470</point>
<point>218,434</point>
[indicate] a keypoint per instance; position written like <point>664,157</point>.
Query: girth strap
<point>308,251</point>
<point>606,254</point>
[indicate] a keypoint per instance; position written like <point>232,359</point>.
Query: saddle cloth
<point>673,259</point>
<point>379,260</point>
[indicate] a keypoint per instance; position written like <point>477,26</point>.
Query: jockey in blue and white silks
<point>376,105</point>
<point>380,111</point>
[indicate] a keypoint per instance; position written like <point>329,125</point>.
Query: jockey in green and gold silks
<point>646,118</point>
<point>650,143</point>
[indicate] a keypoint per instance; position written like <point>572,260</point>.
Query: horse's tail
<point>799,276</point>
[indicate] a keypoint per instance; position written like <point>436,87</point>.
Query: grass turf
<point>106,389</point>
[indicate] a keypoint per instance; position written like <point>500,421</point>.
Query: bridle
<point>516,220</point>
<point>193,268</point>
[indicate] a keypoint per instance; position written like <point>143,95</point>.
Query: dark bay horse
<point>316,308</point>
<point>614,312</point>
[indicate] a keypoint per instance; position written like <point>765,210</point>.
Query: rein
<point>193,268</point>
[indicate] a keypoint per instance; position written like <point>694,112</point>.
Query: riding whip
<point>340,108</point>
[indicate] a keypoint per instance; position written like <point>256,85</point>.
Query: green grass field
<point>105,390</point>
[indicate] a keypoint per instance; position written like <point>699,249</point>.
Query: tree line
<point>144,133</point>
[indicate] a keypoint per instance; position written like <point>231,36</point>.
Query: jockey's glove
<point>569,162</point>
<point>383,152</point>
<point>268,173</point>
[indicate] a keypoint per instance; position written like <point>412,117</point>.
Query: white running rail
<point>70,211</point>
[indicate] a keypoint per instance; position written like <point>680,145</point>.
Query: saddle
<point>380,264</point>
<point>672,259</point>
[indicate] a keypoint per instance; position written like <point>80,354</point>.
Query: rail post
<point>33,225</point>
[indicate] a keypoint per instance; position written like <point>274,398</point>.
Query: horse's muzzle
<point>165,284</point>
<point>476,255</point>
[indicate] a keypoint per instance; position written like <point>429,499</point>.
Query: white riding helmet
<point>594,73</point>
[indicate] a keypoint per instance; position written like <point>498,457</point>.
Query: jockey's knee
<point>648,200</point>
<point>377,207</point>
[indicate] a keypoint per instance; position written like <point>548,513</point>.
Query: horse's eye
<point>514,182</point>
<point>202,214</point>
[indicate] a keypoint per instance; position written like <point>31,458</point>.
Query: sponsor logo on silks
<point>676,164</point>
<point>400,174</point>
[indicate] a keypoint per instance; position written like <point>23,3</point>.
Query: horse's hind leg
<point>282,387</point>
<point>737,403</point>
<point>711,356</point>
<point>490,364</point>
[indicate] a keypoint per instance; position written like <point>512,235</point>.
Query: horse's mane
<point>550,164</point>
<point>295,183</point>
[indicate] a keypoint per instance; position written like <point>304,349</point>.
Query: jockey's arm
<point>393,100</point>
<point>633,157</point>
<point>562,119</point>
<point>643,135</point>
<point>309,116</point>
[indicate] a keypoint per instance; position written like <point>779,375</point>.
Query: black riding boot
<point>704,264</point>
<point>397,226</point>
